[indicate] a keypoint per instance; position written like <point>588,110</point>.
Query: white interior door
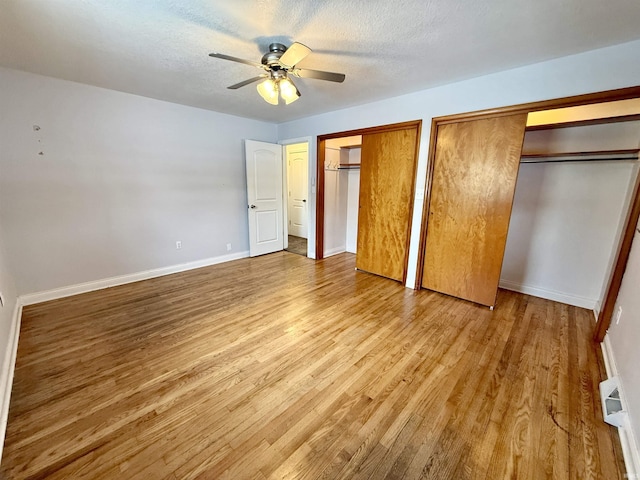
<point>264,195</point>
<point>298,174</point>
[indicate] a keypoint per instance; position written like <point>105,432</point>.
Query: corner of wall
<point>67,291</point>
<point>8,367</point>
<point>561,297</point>
<point>11,352</point>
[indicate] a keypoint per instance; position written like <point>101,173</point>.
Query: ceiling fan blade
<point>294,54</point>
<point>318,74</point>
<point>236,59</point>
<point>247,82</point>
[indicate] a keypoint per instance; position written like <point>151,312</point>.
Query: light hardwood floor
<point>283,367</point>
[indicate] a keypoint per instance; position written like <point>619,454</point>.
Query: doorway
<point>341,186</point>
<point>296,197</point>
<point>388,163</point>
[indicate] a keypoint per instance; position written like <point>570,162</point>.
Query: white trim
<point>596,310</point>
<point>285,198</point>
<point>578,301</point>
<point>607,353</point>
<point>334,251</point>
<point>285,190</point>
<point>8,367</point>
<point>630,450</point>
<point>31,298</point>
<point>291,141</point>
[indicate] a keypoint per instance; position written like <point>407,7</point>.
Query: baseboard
<point>38,297</point>
<point>609,361</point>
<point>630,450</point>
<point>596,309</point>
<point>8,367</point>
<point>574,300</point>
<point>334,251</point>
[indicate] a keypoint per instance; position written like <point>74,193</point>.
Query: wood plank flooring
<point>283,367</point>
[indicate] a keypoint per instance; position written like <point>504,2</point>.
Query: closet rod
<point>603,155</point>
<point>577,159</point>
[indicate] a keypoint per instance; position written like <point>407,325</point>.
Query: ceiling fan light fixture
<point>268,90</point>
<point>288,91</point>
<point>278,64</point>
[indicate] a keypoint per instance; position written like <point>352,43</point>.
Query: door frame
<point>320,155</point>
<point>622,255</point>
<point>310,184</point>
<point>302,146</point>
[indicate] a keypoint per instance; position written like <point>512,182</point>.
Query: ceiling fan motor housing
<point>272,57</point>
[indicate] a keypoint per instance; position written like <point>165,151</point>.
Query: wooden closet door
<point>474,178</point>
<point>387,175</point>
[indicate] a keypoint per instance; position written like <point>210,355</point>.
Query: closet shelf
<point>584,123</point>
<point>608,155</point>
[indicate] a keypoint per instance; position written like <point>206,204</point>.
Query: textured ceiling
<point>386,48</point>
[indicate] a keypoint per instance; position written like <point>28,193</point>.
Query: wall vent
<point>612,409</point>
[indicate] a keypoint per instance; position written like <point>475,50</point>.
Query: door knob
<point>252,206</point>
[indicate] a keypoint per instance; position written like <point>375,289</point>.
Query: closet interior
<point>573,191</point>
<point>342,188</point>
<point>366,185</point>
<point>573,187</point>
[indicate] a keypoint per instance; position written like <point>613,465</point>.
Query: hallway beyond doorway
<point>297,245</point>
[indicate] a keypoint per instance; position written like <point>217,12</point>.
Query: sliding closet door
<point>387,174</point>
<point>474,178</point>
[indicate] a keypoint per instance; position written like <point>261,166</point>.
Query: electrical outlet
<point>178,245</point>
<point>618,315</point>
<point>228,247</point>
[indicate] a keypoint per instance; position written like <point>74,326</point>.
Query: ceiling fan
<point>279,63</point>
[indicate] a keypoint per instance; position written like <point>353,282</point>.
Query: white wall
<point>563,229</point>
<point>353,202</point>
<point>604,69</point>
<point>8,334</point>
<point>609,136</point>
<point>121,178</point>
<point>624,338</point>
<point>567,217</point>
